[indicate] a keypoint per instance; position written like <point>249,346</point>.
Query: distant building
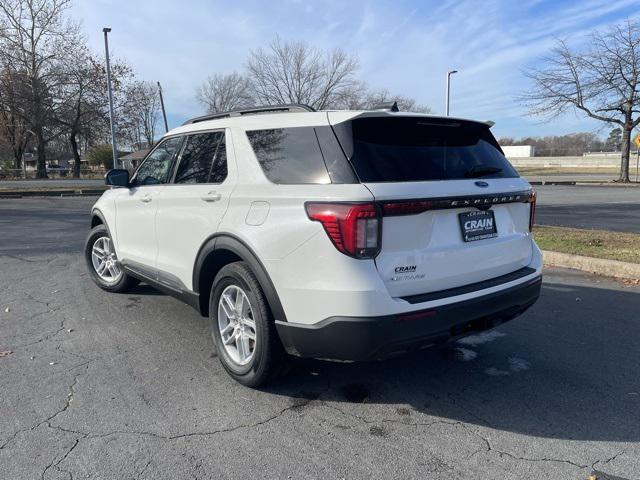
<point>53,164</point>
<point>30,161</point>
<point>519,151</point>
<point>130,161</point>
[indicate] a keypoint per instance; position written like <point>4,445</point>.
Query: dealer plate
<point>477,225</point>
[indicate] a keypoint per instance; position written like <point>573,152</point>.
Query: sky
<point>405,46</point>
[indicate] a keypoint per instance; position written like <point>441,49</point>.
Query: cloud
<point>405,46</point>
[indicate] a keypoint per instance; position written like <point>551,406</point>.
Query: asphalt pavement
<point>103,385</point>
<point>589,206</point>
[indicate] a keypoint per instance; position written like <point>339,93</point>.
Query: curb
<point>592,183</point>
<point>589,183</point>
<point>68,192</point>
<point>600,266</point>
<point>552,182</point>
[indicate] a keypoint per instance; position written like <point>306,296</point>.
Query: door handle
<point>146,199</point>
<point>211,197</point>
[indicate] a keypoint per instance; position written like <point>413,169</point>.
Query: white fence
<point>608,160</point>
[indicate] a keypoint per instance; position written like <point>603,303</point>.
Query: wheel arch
<point>97,218</point>
<point>220,250</point>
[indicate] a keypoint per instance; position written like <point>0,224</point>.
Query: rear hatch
<point>455,212</point>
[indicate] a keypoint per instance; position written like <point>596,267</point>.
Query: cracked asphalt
<point>101,385</point>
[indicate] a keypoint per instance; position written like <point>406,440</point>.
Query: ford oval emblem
<point>482,184</point>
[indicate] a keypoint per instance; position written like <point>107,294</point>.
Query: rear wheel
<point>242,328</point>
<point>103,264</point>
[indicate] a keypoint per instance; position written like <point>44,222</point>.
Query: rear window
<point>414,149</point>
<point>301,155</point>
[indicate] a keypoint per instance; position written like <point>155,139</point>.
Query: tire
<point>99,237</point>
<point>266,357</point>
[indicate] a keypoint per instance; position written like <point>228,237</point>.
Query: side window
<point>337,164</point>
<point>203,159</point>
<point>155,168</point>
<point>289,155</point>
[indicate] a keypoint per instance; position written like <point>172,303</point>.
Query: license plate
<point>477,225</point>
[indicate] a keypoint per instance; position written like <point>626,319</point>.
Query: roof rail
<point>284,108</point>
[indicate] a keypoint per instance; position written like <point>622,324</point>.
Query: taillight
<point>532,209</point>
<point>354,228</point>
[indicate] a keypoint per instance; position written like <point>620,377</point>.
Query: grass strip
<point>624,247</point>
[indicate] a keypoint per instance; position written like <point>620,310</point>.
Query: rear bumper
<point>366,338</point>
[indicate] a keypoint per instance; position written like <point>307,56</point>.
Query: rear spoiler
<point>338,116</point>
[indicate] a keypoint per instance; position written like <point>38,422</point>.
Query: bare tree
<point>294,72</point>
<point>34,36</point>
<point>83,98</point>
<point>407,104</point>
<point>223,92</point>
<point>601,82</point>
<point>12,124</point>
<point>361,98</point>
<point>573,144</point>
<point>614,140</point>
<point>140,113</point>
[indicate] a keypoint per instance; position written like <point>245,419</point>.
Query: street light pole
<point>164,114</point>
<point>111,117</point>
<point>449,73</point>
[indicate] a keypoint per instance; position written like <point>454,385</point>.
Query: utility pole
<point>164,114</point>
<point>636,140</point>
<point>111,117</point>
<point>449,73</point>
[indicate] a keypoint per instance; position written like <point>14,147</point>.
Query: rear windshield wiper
<point>480,171</point>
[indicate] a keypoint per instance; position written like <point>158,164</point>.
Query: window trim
<point>170,173</point>
<point>184,145</point>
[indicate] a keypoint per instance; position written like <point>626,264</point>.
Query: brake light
<point>406,208</point>
<point>532,209</point>
<point>354,228</point>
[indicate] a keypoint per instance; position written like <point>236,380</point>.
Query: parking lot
<point>105,385</point>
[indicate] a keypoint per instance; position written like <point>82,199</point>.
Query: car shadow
<point>568,368</point>
<point>143,289</point>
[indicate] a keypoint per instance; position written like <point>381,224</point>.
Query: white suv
<point>344,235</point>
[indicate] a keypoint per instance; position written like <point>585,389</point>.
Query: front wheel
<point>103,264</point>
<point>244,334</point>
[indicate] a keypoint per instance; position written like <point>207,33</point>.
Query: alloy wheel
<point>105,263</point>
<point>237,325</point>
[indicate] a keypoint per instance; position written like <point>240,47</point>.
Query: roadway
<point>589,206</point>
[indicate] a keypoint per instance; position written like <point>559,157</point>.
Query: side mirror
<point>118,177</point>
